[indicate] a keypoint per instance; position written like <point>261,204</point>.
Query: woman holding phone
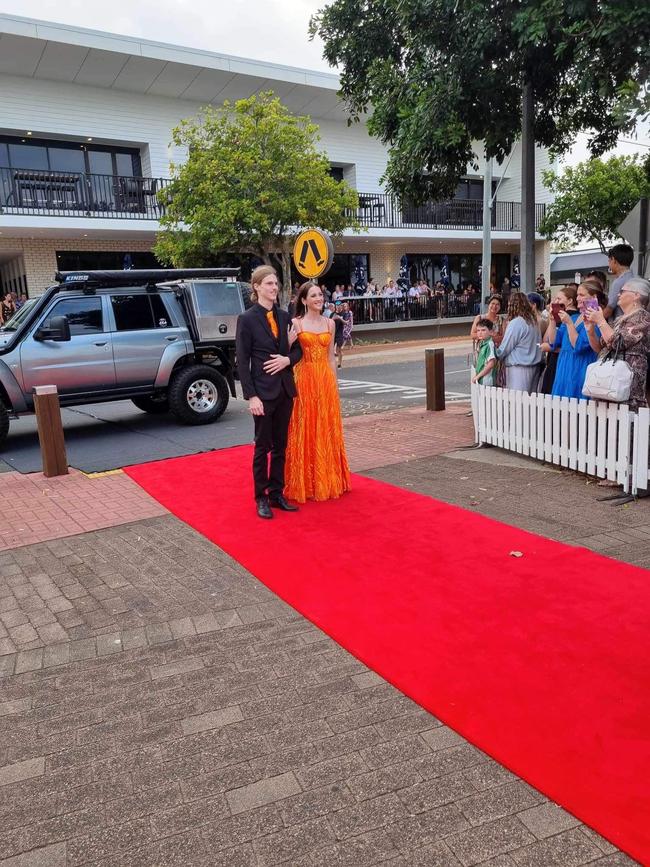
<point>578,348</point>
<point>630,333</point>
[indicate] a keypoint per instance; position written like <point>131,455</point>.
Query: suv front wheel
<point>4,423</point>
<point>198,394</point>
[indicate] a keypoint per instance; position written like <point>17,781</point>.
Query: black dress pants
<point>271,430</point>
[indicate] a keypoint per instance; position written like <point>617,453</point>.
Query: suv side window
<point>139,312</point>
<point>160,314</point>
<point>83,314</point>
<point>132,312</point>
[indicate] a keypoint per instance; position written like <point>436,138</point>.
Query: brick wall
<point>39,254</point>
<point>384,264</point>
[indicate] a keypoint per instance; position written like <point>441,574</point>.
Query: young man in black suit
<point>267,349</point>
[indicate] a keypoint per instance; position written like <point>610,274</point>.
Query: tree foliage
<point>253,177</point>
<point>592,199</point>
<point>442,74</point>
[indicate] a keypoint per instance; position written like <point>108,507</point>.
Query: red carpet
<point>541,661</point>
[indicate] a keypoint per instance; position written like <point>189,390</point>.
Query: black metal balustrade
<point>402,309</point>
<point>382,211</point>
<point>74,194</point>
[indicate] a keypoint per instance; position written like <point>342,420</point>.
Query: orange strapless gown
<point>317,466</point>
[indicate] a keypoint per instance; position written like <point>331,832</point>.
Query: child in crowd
<point>486,359</point>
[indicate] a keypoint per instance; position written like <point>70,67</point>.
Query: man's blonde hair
<point>258,275</point>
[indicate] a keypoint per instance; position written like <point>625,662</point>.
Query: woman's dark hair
<point>495,298</point>
<point>536,300</point>
<point>301,307</point>
<point>519,305</point>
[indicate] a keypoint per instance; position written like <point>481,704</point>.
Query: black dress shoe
<point>279,502</point>
<point>263,507</point>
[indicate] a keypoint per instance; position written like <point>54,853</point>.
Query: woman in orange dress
<point>317,466</point>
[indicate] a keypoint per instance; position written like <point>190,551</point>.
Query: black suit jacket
<point>255,345</point>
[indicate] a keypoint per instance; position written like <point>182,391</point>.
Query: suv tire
<point>198,394</point>
<point>4,423</point>
<point>153,405</point>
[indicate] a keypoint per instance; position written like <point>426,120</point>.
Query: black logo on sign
<point>223,328</point>
<point>306,247</point>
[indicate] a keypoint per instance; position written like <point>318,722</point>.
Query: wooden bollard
<point>434,363</point>
<point>50,430</point>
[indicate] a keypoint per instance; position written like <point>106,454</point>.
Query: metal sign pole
<point>486,259</point>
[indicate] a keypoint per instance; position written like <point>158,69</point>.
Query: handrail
<point>78,194</point>
<point>381,210</point>
<point>74,194</point>
<point>374,309</point>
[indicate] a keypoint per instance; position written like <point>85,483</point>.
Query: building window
<point>472,188</point>
<point>65,156</point>
<point>336,172</point>
<point>103,260</point>
<point>462,269</point>
<point>343,271</point>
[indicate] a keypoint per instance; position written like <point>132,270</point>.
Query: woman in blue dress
<point>578,348</point>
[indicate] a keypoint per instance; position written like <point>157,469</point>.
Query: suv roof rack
<point>88,280</point>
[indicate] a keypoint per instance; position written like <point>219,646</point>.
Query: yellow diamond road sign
<point>313,253</point>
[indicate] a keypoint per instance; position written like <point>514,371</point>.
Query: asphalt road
<point>106,436</point>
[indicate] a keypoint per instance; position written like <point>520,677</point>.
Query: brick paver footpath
<point>159,706</point>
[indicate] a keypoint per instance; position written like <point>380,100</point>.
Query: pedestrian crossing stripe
<point>406,392</point>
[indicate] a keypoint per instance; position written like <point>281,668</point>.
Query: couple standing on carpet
<point>297,421</point>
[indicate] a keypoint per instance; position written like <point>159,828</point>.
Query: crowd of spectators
<point>547,343</point>
<point>10,303</point>
<point>405,299</point>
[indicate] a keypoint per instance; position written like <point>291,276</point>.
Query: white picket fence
<point>599,439</point>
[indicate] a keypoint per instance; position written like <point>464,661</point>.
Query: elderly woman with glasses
<point>630,333</point>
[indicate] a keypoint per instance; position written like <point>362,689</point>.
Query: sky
<point>272,30</point>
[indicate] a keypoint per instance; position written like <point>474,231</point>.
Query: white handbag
<point>609,379</point>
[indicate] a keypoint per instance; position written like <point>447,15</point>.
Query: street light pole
<point>486,259</point>
<point>527,252</point>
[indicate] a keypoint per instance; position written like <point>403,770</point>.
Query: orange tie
<point>273,324</point>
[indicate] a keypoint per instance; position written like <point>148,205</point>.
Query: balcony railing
<point>403,309</point>
<point>381,211</point>
<point>73,194</point>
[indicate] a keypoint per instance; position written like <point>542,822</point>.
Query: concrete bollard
<point>434,363</point>
<point>50,430</point>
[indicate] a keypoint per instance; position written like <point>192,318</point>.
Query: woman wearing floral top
<point>498,330</point>
<point>630,334</point>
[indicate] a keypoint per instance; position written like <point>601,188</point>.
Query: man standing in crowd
<point>619,260</point>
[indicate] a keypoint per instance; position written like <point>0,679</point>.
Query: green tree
<point>440,75</point>
<point>593,198</point>
<point>253,178</point>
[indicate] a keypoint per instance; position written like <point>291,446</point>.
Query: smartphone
<point>591,304</point>
<point>555,311</point>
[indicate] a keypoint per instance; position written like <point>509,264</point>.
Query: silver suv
<point>164,339</point>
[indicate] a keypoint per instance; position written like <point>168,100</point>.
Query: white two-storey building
<point>85,131</point>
